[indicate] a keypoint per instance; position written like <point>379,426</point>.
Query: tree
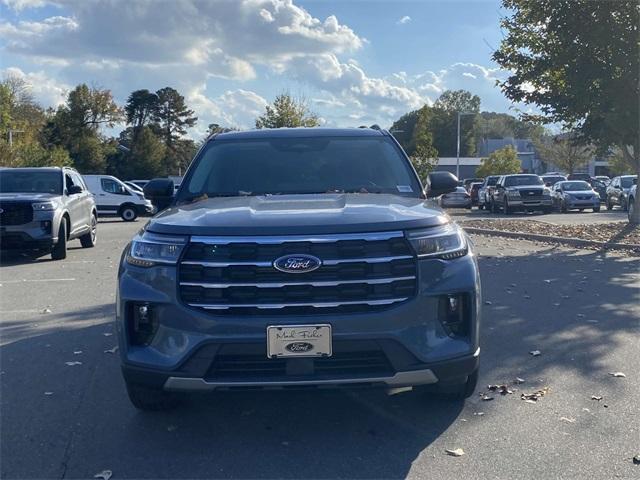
<point>173,117</point>
<point>403,131</point>
<point>503,125</point>
<point>424,156</point>
<point>564,151</point>
<point>578,61</point>
<point>501,162</point>
<point>287,111</point>
<point>76,126</point>
<point>445,122</point>
<point>141,108</point>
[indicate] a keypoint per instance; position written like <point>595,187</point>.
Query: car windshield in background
<point>626,182</point>
<point>30,182</point>
<point>491,182</point>
<point>521,180</point>
<point>575,186</point>
<point>553,180</point>
<point>280,166</point>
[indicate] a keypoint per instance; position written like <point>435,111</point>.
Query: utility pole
<point>11,132</point>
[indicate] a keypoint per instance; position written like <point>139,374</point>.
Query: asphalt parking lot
<point>580,309</point>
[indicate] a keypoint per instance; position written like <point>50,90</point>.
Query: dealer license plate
<point>299,341</point>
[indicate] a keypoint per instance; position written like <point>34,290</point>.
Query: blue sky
<point>355,62</point>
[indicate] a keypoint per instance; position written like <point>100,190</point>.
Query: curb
<point>575,242</point>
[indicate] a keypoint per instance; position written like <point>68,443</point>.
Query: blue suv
<point>298,258</point>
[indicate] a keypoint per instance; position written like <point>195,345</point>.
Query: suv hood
<point>28,197</point>
<point>298,214</point>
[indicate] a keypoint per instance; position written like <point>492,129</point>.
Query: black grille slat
<point>238,277</point>
<point>373,362</point>
<point>14,213</point>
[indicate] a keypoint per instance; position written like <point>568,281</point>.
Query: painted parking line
<point>38,280</point>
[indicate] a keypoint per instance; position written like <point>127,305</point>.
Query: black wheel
<point>59,251</point>
<point>89,240</point>
<point>128,213</point>
<point>493,207</point>
<point>563,207</point>
<point>507,208</point>
<point>596,209</point>
<point>451,391</point>
<point>609,205</point>
<point>623,204</point>
<point>547,210</point>
<point>481,206</point>
<point>151,399</point>
<point>631,209</point>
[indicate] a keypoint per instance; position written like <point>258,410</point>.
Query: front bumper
<point>524,203</point>
<point>35,235</point>
<point>574,203</point>
<point>189,343</point>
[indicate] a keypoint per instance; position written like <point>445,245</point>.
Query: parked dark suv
<point>42,209</point>
<point>524,192</point>
<point>298,258</point>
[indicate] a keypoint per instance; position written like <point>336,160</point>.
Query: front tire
<point>88,240</point>
<point>507,209</point>
<point>59,251</point>
<point>631,209</point>
<point>128,213</point>
<point>596,209</point>
<point>624,205</point>
<point>151,399</point>
<point>609,205</point>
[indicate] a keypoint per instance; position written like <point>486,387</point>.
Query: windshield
<point>279,166</point>
<point>520,180</point>
<point>626,182</point>
<point>491,181</point>
<point>575,186</point>
<point>553,180</point>
<point>20,181</point>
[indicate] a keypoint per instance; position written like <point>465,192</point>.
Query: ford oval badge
<point>297,263</point>
<point>299,347</point>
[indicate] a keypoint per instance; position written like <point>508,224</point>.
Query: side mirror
<point>635,181</point>
<point>74,189</point>
<point>439,183</point>
<point>160,192</point>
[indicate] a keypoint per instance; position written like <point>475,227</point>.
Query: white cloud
<point>234,108</point>
<point>403,20</point>
<point>18,5</point>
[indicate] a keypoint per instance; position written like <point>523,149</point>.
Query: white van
<point>113,197</point>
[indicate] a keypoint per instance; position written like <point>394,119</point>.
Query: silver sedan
<point>458,199</point>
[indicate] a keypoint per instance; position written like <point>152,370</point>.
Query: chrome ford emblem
<point>297,263</point>
<point>299,347</point>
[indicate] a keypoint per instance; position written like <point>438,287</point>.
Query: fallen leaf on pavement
<point>45,310</point>
<point>112,350</point>
<point>596,397</point>
<point>617,374</point>
<point>487,302</point>
<point>107,334</point>
<point>458,452</point>
<point>485,398</point>
<point>48,393</point>
<point>568,420</point>
<point>77,352</point>
<point>535,353</point>
<point>105,474</point>
<point>503,389</point>
<point>71,364</point>
<point>636,460</point>
<point>518,380</point>
<point>534,396</point>
<point>478,414</point>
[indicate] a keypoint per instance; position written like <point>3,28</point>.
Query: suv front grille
<point>358,273</point>
<point>14,213</point>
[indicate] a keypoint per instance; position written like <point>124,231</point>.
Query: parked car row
<point>551,191</point>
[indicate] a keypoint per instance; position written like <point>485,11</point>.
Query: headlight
<point>149,249</point>
<point>43,206</point>
<point>546,192</point>
<point>447,243</point>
